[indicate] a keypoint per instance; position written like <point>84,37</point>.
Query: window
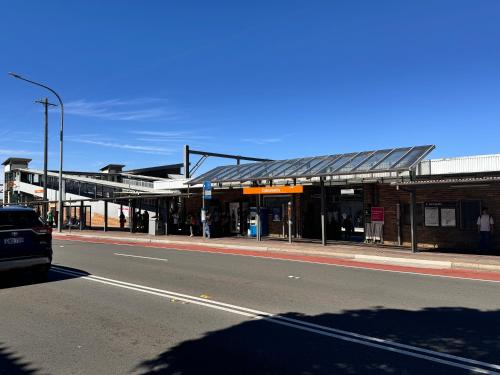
<point>19,220</point>
<point>469,212</point>
<point>419,214</point>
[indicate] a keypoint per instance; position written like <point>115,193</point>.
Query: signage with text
<point>274,190</point>
<point>377,215</point>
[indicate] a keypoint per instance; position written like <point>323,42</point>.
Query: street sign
<point>207,190</point>
<point>274,190</point>
<point>207,185</point>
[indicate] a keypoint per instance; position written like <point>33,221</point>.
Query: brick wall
<point>436,237</point>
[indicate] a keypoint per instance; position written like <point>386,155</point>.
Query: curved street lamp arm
<point>39,84</point>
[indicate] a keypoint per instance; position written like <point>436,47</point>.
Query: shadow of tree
<point>12,364</point>
<point>263,347</point>
<point>24,278</point>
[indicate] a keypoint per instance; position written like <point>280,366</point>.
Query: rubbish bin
<point>156,227</point>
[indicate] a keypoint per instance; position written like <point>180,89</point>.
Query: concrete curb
<point>397,261</point>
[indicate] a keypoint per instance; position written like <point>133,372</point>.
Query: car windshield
<point>19,220</point>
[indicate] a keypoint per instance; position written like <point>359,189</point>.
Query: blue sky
<point>274,79</point>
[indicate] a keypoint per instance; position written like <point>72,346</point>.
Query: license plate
<point>13,241</point>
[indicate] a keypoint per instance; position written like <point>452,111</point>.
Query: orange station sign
<point>274,190</point>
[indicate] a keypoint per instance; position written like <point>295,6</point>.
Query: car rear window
<point>19,220</point>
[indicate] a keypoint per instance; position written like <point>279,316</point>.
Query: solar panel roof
<point>354,163</point>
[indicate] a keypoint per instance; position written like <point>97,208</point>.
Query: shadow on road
<point>18,279</point>
<point>263,347</point>
<point>12,364</point>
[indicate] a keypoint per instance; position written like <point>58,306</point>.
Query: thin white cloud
<point>263,141</point>
<point>135,148</point>
<point>125,110</point>
<point>169,136</point>
<point>14,153</point>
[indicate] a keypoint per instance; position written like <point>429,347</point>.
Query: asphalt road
<point>111,309</point>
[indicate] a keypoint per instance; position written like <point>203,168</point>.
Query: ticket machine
<point>252,222</point>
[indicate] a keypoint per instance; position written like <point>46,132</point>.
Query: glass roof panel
<point>355,162</point>
<point>392,158</point>
<point>280,169</point>
<point>239,170</point>
<point>305,165</point>
<point>323,162</point>
<point>411,158</point>
<point>351,163</point>
<point>266,170</point>
<point>330,168</point>
<point>291,166</point>
<point>372,160</point>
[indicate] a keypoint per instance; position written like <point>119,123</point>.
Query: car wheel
<point>41,273</point>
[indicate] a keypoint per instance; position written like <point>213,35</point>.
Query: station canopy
<point>355,163</point>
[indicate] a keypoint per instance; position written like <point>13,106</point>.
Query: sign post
<point>207,194</point>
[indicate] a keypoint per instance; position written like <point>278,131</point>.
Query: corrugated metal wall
<point>466,164</point>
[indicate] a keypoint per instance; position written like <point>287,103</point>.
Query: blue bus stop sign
<point>207,185</point>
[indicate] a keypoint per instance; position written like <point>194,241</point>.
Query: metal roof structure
<point>355,163</point>
<point>453,182</point>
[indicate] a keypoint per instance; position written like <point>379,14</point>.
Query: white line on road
<point>140,256</point>
<point>413,351</point>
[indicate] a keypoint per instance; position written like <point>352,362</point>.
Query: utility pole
<point>45,151</point>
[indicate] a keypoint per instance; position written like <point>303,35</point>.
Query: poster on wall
<point>276,213</point>
<point>234,214</point>
<point>431,216</point>
<point>448,217</point>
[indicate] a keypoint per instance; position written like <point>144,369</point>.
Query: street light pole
<point>45,153</point>
<point>61,132</point>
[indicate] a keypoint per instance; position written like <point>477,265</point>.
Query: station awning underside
<point>356,164</point>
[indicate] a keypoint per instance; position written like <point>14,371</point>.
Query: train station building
<point>397,197</point>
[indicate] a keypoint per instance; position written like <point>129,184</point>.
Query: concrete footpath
<point>347,251</point>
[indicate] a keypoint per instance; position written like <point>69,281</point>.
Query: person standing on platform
<point>122,220</point>
<point>485,225</point>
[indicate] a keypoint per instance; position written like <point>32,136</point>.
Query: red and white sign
<point>377,215</point>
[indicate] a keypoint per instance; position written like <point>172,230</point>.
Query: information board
<point>431,216</point>
<point>448,217</point>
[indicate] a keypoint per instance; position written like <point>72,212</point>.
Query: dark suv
<point>25,241</point>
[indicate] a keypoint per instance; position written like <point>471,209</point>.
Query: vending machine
<point>252,222</point>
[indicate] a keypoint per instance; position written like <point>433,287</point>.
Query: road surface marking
<point>409,350</point>
<point>139,256</point>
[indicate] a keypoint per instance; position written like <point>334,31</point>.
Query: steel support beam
<point>413,220</point>
<point>323,209</point>
<point>105,216</point>
<point>81,215</point>
<point>186,161</point>
<point>258,219</point>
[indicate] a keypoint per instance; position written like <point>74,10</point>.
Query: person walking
<point>50,217</point>
<point>485,225</point>
<point>208,224</point>
<point>192,224</point>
